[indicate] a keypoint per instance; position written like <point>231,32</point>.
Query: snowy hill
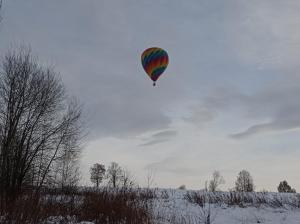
<point>192,207</point>
<point>155,206</point>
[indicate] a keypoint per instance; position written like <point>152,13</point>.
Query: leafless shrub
<point>207,216</point>
<point>127,179</point>
<point>164,194</point>
<point>260,199</point>
<point>244,199</point>
<point>276,202</point>
<point>121,207</point>
<point>234,199</point>
<point>195,198</point>
<point>297,201</point>
<point>205,201</point>
<point>98,206</point>
<point>148,194</point>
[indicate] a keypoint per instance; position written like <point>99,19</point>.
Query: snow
<point>67,220</point>
<point>176,209</point>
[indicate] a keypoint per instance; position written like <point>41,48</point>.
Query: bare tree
<point>38,123</point>
<point>150,178</point>
<point>114,174</point>
<point>216,181</point>
<point>244,182</point>
<point>67,175</point>
<point>97,173</point>
<point>127,179</point>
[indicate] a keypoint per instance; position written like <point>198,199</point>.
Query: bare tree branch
<point>38,123</point>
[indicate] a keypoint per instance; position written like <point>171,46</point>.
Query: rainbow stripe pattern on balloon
<point>155,61</point>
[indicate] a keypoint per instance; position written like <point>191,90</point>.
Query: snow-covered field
<point>169,206</point>
<point>173,207</point>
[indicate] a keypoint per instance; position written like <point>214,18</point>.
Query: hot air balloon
<point>155,61</point>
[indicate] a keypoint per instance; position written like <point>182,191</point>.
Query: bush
<point>285,187</point>
<point>182,187</point>
<point>243,199</point>
<point>101,206</point>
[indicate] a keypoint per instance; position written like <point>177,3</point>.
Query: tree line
<point>115,175</point>
<point>244,183</point>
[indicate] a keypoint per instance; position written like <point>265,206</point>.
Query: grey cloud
<point>96,47</point>
<point>171,165</point>
<point>216,102</point>
<point>255,129</point>
<point>153,142</point>
<point>159,137</point>
<point>200,115</point>
<point>285,120</point>
<point>165,134</point>
<point>277,102</point>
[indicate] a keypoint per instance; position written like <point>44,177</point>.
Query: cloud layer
<point>233,74</point>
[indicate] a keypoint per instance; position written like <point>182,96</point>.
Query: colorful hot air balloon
<point>155,61</point>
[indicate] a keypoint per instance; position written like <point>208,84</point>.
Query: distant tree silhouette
<point>97,173</point>
<point>244,182</point>
<point>150,178</point>
<point>182,187</point>
<point>285,187</point>
<point>114,174</point>
<point>127,179</point>
<point>217,180</point>
<point>67,170</point>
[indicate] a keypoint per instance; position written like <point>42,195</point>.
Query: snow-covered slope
<point>179,206</point>
<point>169,206</point>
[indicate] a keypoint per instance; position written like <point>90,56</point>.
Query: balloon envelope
<point>155,61</point>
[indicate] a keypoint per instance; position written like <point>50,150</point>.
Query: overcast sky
<point>229,99</point>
